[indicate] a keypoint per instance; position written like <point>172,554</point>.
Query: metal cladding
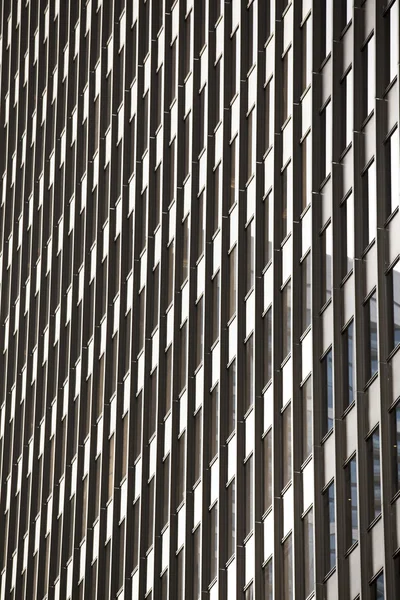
<point>199,299</point>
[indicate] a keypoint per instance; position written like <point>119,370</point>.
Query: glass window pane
<point>267,470</point>
<point>267,320</point>
<point>326,263</point>
<point>249,495</point>
<point>348,365</point>
<point>286,319</point>
<point>250,256</point>
<point>199,332</point>
<point>231,524</point>
<point>307,418</point>
<point>196,563</point>
<point>287,446</point>
<point>375,475</point>
<point>232,283</point>
<point>213,542</point>
<point>249,381</point>
<point>306,171</point>
<point>330,523</point>
<point>371,353</point>
<point>231,416</point>
<point>397,447</point>
<point>327,412</point>
<point>378,588</point>
<point>369,215</point>
<point>200,226</point>
<point>197,445</point>
<point>287,569</point>
<point>308,546</point>
<point>216,307</point>
<point>268,229</point>
<point>268,581</point>
<point>351,502</point>
<point>306,292</point>
<point>214,423</point>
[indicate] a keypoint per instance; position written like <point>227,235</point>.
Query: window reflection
<point>374,463</point>
<point>326,263</point>
<point>371,353</point>
<point>307,418</point>
<point>287,569</point>
<point>287,446</point>
<point>306,292</point>
<point>330,524</point>
<point>327,412</point>
<point>351,502</point>
<point>308,548</point>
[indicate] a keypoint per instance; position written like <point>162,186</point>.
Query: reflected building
<point>199,299</point>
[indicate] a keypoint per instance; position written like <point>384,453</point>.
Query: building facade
<point>199,299</point>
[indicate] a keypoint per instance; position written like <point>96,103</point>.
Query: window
<point>267,321</point>
<point>185,250</point>
<point>214,408</point>
<point>216,295</point>
<point>268,229</point>
<point>268,581</point>
<point>351,502</point>
<point>307,54</point>
<point>231,416</point>
<point>250,256</point>
<point>250,136</point>
<point>327,31</point>
<point>371,336</point>
<point>170,289</point>
<point>217,93</point>
<point>326,264</point>
<point>187,146</point>
<point>249,495</point>
<point>197,445</point>
<point>307,418</point>
<point>347,245</point>
<point>286,319</point>
<point>196,563</point>
<point>165,495</point>
<point>202,119</point>
<point>347,109</point>
<point>172,170</point>
<point>391,38</point>
<point>305,172</point>
<point>287,569</point>
<point>267,471</point>
<point>232,195</point>
<point>369,196</point>
<point>348,365</point>
<point>213,542</point>
<point>287,201</point>
<point>346,13</point>
<point>173,73</point>
<point>187,61</point>
<point>217,198</point>
<point>168,379</point>
<point>231,520</point>
<point>232,283</point>
<point>250,35</point>
<point>234,64</point>
<point>199,332</point>
<point>326,141</point>
<point>327,408</point>
<point>306,292</point>
<point>378,588</point>
<point>308,549</point>
<point>330,525</point>
<point>249,380</point>
<point>287,446</point>
<point>269,116</point>
<point>392,172</point>
<point>287,83</point>
<point>180,492</point>
<point>374,466</point>
<point>395,415</point>
<point>183,360</point>
<point>368,61</point>
<point>200,225</point>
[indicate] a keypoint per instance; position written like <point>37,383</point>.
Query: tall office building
<point>199,299</point>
